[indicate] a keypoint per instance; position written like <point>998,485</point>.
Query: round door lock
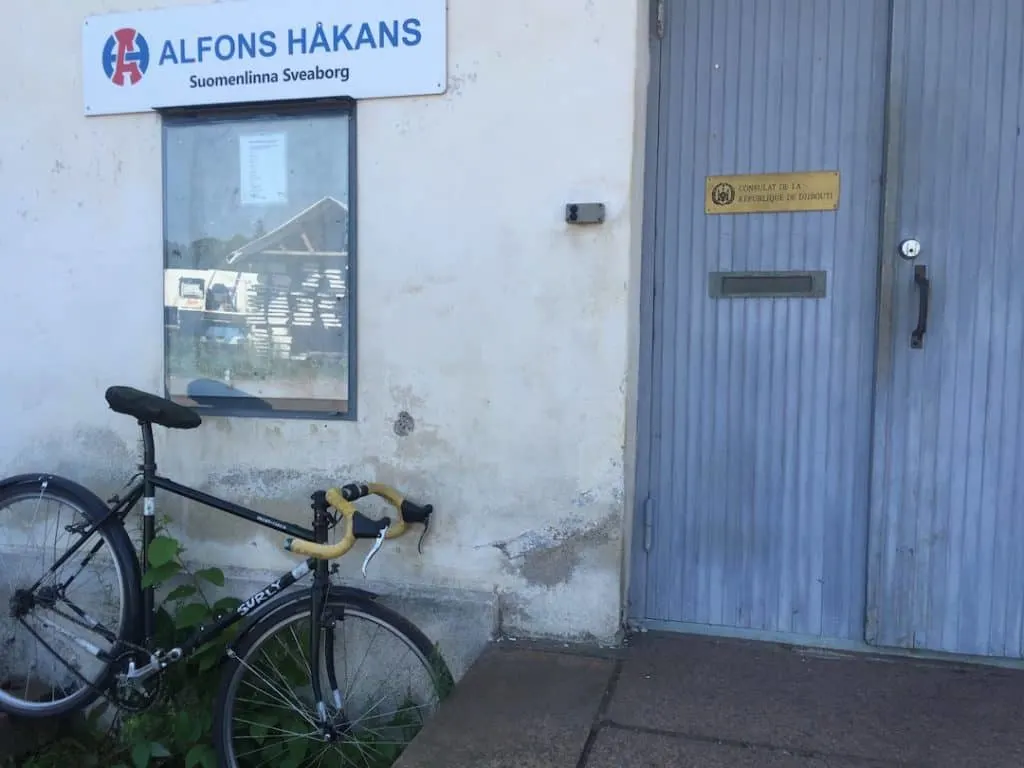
<point>910,249</point>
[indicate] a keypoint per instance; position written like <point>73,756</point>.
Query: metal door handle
<point>924,288</point>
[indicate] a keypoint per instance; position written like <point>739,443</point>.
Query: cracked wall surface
<point>493,338</point>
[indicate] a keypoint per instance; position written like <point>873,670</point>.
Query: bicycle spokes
<point>57,622</point>
<point>382,697</point>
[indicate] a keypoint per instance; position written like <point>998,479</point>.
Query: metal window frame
<point>280,408</point>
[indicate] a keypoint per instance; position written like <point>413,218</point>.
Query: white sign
<point>263,50</point>
<point>263,160</point>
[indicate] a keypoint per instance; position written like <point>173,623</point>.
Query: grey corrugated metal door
<point>761,408</point>
<point>947,518</point>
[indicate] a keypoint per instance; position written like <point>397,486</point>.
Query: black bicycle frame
<point>145,487</point>
<point>223,505</point>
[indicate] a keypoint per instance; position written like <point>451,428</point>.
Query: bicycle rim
<point>48,661</point>
<point>270,718</point>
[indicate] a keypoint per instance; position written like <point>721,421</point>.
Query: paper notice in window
<point>263,160</point>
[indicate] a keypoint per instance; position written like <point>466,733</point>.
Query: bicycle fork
<point>322,621</point>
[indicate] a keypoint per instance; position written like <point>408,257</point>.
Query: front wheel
<point>381,680</point>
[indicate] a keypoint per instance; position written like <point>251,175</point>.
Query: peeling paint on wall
<point>100,457</point>
<point>550,556</point>
<point>404,424</point>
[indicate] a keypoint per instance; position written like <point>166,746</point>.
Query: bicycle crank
<point>133,693</point>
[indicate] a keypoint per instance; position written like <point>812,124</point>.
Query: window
<point>258,260</point>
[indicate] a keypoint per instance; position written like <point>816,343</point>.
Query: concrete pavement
<point>686,701</point>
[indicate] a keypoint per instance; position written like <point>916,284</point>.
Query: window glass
<point>257,271</point>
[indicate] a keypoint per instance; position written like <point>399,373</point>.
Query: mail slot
<point>767,285</point>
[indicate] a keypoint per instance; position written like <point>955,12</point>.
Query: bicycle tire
<point>299,604</point>
<point>112,531</point>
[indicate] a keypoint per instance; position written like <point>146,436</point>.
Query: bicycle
<point>128,670</point>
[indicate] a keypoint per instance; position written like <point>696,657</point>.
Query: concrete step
<point>518,706</point>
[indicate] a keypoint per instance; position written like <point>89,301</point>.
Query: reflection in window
<point>257,262</point>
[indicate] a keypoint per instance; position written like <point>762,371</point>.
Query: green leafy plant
<point>175,731</point>
<point>179,725</point>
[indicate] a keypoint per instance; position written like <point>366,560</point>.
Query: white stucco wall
<point>503,332</point>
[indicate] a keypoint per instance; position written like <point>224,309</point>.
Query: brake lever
<point>376,547</point>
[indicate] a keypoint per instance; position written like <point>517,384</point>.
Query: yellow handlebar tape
<point>395,499</point>
<point>328,551</point>
<point>347,510</point>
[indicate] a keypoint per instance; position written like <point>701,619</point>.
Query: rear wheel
<point>389,682</point>
<point>60,626</point>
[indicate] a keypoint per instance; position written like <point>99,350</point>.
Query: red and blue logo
<point>125,57</point>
